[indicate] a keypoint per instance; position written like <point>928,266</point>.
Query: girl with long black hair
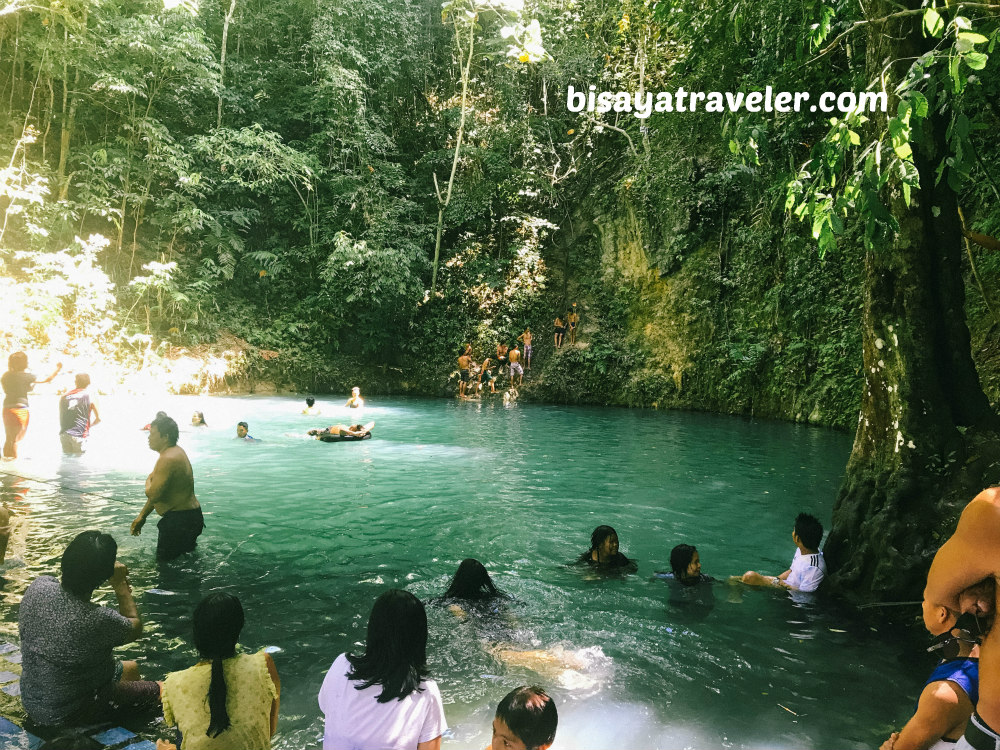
<point>242,690</point>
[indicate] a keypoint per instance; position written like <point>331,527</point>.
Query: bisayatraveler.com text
<point>644,104</point>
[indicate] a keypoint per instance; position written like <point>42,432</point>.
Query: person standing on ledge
<point>16,382</point>
<point>574,320</point>
<point>355,401</point>
<point>75,408</point>
<point>526,338</point>
<point>170,491</point>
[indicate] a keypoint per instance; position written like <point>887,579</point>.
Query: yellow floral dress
<point>249,692</point>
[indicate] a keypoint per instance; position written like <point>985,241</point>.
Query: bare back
<point>170,486</point>
<point>968,558</point>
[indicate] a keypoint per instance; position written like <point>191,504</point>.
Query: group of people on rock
<point>510,362</point>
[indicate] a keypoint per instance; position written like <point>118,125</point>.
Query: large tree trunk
<point>926,440</point>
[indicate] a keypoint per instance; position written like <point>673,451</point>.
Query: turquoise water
<point>308,534</point>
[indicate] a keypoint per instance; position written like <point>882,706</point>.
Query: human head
<point>356,391</point>
<point>310,401</point>
<point>685,562</point>
<point>356,427</point>
<point>395,654</point>
<point>218,620</point>
<point>82,380</point>
<point>809,530</point>
<point>163,429</point>
<point>17,362</point>
<point>88,561</point>
<point>938,618</point>
<point>604,540</point>
<point>526,719</point>
<point>472,581</point>
<point>198,418</point>
<point>242,429</point>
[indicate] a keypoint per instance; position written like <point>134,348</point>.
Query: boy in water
<point>311,409</point>
<point>526,719</point>
<point>75,409</point>
<point>808,566</point>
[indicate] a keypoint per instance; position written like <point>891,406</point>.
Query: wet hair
<point>680,557</point>
<point>18,361</point>
<point>88,561</point>
<point>395,654</point>
<point>809,530</point>
<point>218,620</point>
<point>201,418</point>
<point>160,414</point>
<point>244,425</point>
<point>597,538</point>
<point>310,401</point>
<point>356,427</point>
<point>531,716</point>
<point>82,380</point>
<point>472,581</point>
<point>166,427</point>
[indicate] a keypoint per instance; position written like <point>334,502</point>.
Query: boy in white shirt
<point>808,566</point>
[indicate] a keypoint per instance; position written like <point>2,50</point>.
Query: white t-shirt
<point>355,720</point>
<point>807,571</point>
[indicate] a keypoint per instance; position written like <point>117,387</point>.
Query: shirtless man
<point>574,321</point>
<point>526,338</point>
<point>170,492</point>
<point>971,556</point>
<point>464,369</point>
<point>514,356</point>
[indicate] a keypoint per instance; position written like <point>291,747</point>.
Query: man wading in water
<point>170,491</point>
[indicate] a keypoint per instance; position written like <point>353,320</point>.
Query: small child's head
<point>809,530</point>
<point>526,719</point>
<point>310,401</point>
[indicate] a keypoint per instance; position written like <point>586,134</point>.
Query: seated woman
<point>383,697</point>
<point>952,690</point>
<point>226,700</point>
<point>198,419</point>
<point>603,552</point>
<point>69,672</point>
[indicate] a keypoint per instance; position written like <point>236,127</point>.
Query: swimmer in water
<point>354,430</point>
<point>198,419</point>
<point>603,552</point>
<point>685,566</point>
<point>526,719</point>
<point>355,401</point>
<point>311,409</point>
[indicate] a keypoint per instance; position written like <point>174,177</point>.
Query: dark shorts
<point>463,375</point>
<point>179,531</point>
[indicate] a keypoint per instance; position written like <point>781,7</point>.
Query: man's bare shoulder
<point>174,456</point>
<point>986,502</point>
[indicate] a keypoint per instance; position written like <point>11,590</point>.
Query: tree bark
<point>222,59</point>
<point>926,441</point>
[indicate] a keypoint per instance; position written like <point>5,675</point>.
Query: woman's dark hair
<point>201,418</point>
<point>680,558</point>
<point>599,535</point>
<point>310,401</point>
<point>17,361</point>
<point>88,561</point>
<point>218,620</point>
<point>530,714</point>
<point>472,581</point>
<point>395,654</point>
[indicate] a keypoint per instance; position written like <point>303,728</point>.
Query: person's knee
<point>130,671</point>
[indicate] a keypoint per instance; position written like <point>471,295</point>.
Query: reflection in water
<point>309,534</point>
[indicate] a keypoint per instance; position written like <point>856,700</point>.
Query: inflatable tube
<point>341,438</point>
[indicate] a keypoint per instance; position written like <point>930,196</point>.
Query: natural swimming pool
<point>308,534</point>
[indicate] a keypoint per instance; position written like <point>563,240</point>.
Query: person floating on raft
<point>337,432</point>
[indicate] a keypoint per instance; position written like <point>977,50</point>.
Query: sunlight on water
<point>308,534</point>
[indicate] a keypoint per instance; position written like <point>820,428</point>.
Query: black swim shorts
<point>179,531</point>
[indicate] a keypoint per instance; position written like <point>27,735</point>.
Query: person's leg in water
<point>15,424</point>
<point>4,531</point>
